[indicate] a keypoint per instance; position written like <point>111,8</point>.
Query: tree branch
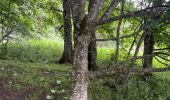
<point>118,34</point>
<point>110,9</point>
<point>6,35</point>
<point>161,61</point>
<point>137,50</point>
<point>133,43</point>
<point>126,36</point>
<point>144,12</point>
<point>163,53</point>
<point>162,49</point>
<point>112,70</point>
<point>162,57</point>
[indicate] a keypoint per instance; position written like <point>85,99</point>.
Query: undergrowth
<point>49,81</point>
<point>53,80</point>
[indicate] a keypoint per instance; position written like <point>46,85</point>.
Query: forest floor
<point>33,81</point>
<point>41,81</point>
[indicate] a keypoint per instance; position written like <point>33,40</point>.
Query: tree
<point>67,54</point>
<point>149,32</point>
<point>84,26</point>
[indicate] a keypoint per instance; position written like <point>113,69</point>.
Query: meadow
<point>30,69</point>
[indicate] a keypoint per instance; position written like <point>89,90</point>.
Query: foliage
<point>155,88</point>
<point>137,89</point>
<point>27,16</point>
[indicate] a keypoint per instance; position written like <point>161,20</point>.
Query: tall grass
<point>42,50</point>
<point>104,55</point>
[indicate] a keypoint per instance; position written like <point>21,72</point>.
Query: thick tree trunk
<point>92,54</point>
<point>84,24</point>
<point>80,68</point>
<point>148,50</point>
<point>67,54</point>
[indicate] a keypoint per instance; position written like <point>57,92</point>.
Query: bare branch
<point>6,35</point>
<point>110,9</point>
<point>118,34</point>
<point>133,43</point>
<point>162,49</point>
<point>137,49</point>
<point>112,70</point>
<point>162,53</point>
<point>123,37</point>
<point>140,13</point>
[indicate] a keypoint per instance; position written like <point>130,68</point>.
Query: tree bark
<point>148,50</point>
<point>84,26</point>
<point>92,54</point>
<point>67,54</point>
<point>80,68</point>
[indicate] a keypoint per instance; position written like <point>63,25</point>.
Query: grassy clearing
<point>31,68</point>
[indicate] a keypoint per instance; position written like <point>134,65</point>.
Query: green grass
<point>43,50</point>
<point>31,65</point>
<point>44,79</point>
<point>104,55</point>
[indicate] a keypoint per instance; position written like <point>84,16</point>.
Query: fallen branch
<point>112,70</point>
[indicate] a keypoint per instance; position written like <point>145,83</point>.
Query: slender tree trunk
<point>148,50</point>
<point>67,54</point>
<point>149,40</point>
<point>92,54</point>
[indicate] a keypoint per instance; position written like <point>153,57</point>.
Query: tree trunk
<point>148,50</point>
<point>67,54</point>
<point>92,54</point>
<point>80,68</point>
<point>84,25</point>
